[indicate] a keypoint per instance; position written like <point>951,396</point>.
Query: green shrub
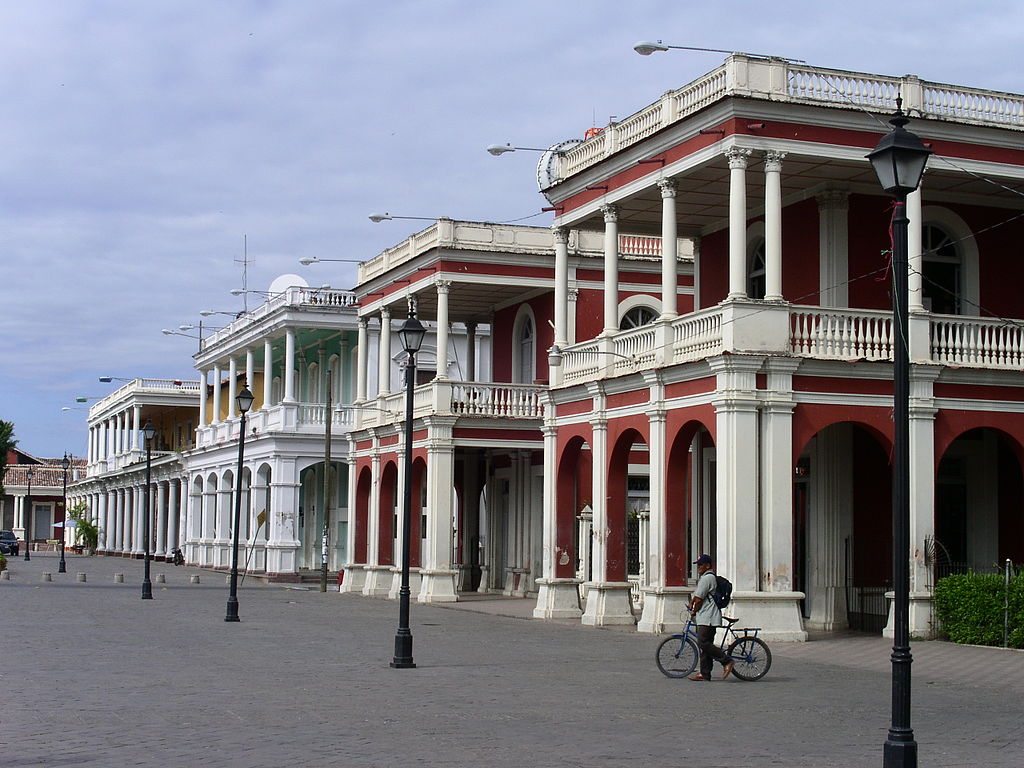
<point>971,605</point>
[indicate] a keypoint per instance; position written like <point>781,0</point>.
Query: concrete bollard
<point>193,579</point>
<point>161,579</point>
<point>5,575</point>
<point>47,576</point>
<point>81,577</point>
<point>119,578</point>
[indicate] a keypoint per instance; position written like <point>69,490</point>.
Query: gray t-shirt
<point>708,615</point>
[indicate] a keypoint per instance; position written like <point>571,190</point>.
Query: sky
<point>147,145</point>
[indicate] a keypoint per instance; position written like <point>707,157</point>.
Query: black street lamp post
<point>899,161</point>
<point>411,333</point>
<point>244,401</point>
<point>27,515</point>
<point>62,566</point>
<point>149,432</point>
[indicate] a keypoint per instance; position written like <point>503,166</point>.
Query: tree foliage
<point>87,533</point>
<point>7,443</point>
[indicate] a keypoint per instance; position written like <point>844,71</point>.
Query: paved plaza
<point>91,675</point>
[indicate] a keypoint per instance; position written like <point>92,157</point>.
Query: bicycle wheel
<point>751,658</point>
<point>676,656</point>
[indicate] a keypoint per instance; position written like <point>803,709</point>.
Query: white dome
<point>284,282</point>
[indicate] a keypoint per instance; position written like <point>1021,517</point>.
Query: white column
<point>914,252</point>
<point>321,375</point>
<point>343,379</point>
<point>289,366</point>
<point>669,250</point>
<point>361,360</point>
<point>173,513</point>
<point>470,351</point>
<point>161,520</point>
<point>250,369</point>
<point>561,236</point>
<point>136,443</point>
<point>437,575</point>
<point>268,373</point>
<point>384,353</point>
<point>736,444</point>
<point>833,248</point>
<point>139,509</point>
<point>773,224</point>
<point>737,222</point>
<point>611,268</point>
<point>217,376</point>
<point>202,397</point>
<point>232,387</point>
<point>443,287</point>
<point>110,528</point>
<point>19,513</point>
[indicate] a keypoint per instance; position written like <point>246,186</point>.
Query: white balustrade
<point>841,334</point>
<point>697,335</point>
<point>513,401</point>
<point>977,342</point>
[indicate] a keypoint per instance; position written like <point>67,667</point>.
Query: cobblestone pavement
<point>91,675</point>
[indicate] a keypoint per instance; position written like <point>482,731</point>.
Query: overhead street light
<point>379,217</point>
<point>646,48</point>
<point>307,260</point>
<point>500,149</point>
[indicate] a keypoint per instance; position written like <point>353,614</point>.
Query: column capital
<point>385,314</point>
<point>574,294</point>
<point>361,322</point>
<point>611,213</point>
<point>561,235</point>
<point>773,161</point>
<point>833,199</point>
<point>737,157</point>
<point>668,187</point>
<point>443,286</point>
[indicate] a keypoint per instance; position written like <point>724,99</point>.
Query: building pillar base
<point>437,586</point>
<point>396,582</point>
<point>376,580</point>
<point>608,604</point>
<point>354,579</point>
<point>776,613</point>
<point>923,623</point>
<point>558,599</point>
<point>664,609</point>
<point>281,558</point>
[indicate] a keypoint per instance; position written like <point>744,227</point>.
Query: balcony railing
<point>469,399</point>
<point>782,81</point>
<point>330,298</point>
<point>283,418</point>
<point>819,333</point>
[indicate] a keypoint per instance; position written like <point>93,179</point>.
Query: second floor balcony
<point>799,331</point>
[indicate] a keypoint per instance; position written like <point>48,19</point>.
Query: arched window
<point>756,271</point>
<point>527,355</point>
<point>942,266</point>
<point>636,317</point>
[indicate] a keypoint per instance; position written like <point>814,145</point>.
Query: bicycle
<point>677,654</point>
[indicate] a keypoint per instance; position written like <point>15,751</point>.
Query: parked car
<point>8,543</point>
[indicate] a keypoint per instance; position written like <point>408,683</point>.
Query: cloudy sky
<point>143,141</point>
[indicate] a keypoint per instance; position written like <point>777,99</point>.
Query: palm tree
<point>7,444</point>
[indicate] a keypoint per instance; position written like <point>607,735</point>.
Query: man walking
<point>708,618</point>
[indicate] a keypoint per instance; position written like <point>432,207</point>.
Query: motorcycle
<point>176,557</point>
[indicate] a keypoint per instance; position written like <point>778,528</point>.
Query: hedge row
<point>970,607</point>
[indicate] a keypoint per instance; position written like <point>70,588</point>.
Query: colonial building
<point>34,496</point>
<point>697,358</point>
<point>114,482</point>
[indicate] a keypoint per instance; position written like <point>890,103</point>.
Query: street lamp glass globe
<point>149,431</point>
<point>244,400</point>
<point>899,159</point>
<point>411,334</point>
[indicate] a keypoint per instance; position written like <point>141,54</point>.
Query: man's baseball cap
<point>704,560</point>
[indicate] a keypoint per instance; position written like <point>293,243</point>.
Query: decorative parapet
<point>470,399</point>
<point>501,238</point>
<point>296,296</point>
<point>779,80</point>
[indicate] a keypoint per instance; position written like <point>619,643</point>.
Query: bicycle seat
<point>731,621</point>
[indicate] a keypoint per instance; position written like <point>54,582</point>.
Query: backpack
<point>723,591</point>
